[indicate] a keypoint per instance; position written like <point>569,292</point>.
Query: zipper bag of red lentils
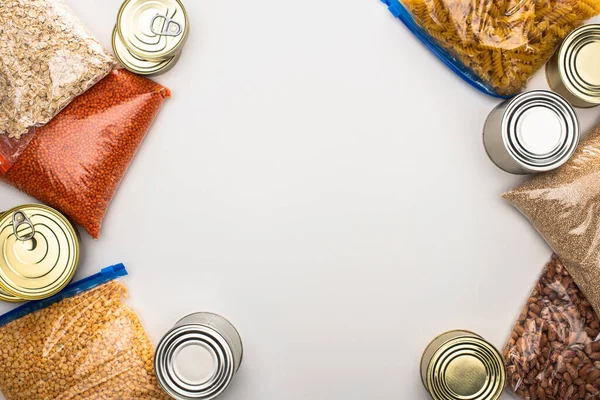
<point>82,343</point>
<point>494,45</point>
<point>76,162</point>
<point>47,59</point>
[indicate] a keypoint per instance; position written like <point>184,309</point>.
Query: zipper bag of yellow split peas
<point>494,45</point>
<point>82,343</point>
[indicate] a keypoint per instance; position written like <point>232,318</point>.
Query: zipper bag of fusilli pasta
<point>494,45</point>
<point>82,343</point>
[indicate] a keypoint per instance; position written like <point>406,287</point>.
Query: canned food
<point>198,357</point>
<point>461,365</point>
<point>6,296</point>
<point>40,252</point>
<point>574,70</point>
<point>136,64</point>
<point>153,30</point>
<point>534,132</point>
<point>10,298</point>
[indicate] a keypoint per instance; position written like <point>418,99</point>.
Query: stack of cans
<point>150,35</point>
<point>40,253</point>
<point>538,131</point>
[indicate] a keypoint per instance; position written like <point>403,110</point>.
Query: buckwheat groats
<point>554,349</point>
<point>564,207</point>
<point>88,347</point>
<point>76,162</point>
<point>502,43</point>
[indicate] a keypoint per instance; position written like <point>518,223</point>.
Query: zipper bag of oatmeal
<point>85,340</point>
<point>494,45</point>
<point>564,207</point>
<point>47,58</point>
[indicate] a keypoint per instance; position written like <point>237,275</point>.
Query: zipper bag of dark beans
<point>564,207</point>
<point>553,351</point>
<point>494,45</point>
<point>82,343</point>
<point>76,162</point>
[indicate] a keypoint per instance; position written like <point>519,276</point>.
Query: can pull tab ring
<point>169,28</point>
<point>19,219</point>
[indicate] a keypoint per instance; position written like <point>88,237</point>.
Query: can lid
<point>10,298</point>
<point>579,63</point>
<point>40,252</point>
<point>153,30</point>
<point>194,362</point>
<point>136,64</point>
<point>466,368</point>
<point>540,130</point>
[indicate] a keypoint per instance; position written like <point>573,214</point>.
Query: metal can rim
<point>162,65</point>
<point>5,296</point>
<point>76,250</point>
<point>562,107</point>
<point>432,341</point>
<point>162,351</point>
<point>150,56</point>
<point>567,55</point>
<point>475,346</point>
<point>237,332</point>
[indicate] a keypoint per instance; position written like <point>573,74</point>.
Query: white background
<point>319,179</point>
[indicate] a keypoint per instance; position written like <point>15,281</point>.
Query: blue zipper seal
<point>400,12</point>
<point>73,289</point>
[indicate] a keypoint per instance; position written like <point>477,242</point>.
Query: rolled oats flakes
<point>47,58</point>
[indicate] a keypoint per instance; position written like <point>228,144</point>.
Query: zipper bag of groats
<point>47,58</point>
<point>494,45</point>
<point>82,343</point>
<point>554,350</point>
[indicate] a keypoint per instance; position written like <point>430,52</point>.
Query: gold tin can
<point>153,30</point>
<point>4,296</point>
<point>461,365</point>
<point>9,298</point>
<point>40,252</point>
<point>136,64</point>
<point>574,70</point>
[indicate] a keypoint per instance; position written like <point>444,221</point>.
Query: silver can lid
<point>153,30</point>
<point>540,130</point>
<point>194,362</point>
<point>579,63</point>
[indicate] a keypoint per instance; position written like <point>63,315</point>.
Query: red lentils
<point>88,347</point>
<point>76,162</point>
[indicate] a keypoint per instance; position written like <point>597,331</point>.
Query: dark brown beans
<point>566,366</point>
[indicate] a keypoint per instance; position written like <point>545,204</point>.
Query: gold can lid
<point>136,64</point>
<point>153,30</point>
<point>40,252</point>
<point>9,298</point>
<point>579,63</point>
<point>466,368</point>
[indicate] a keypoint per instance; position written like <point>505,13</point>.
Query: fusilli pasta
<point>503,42</point>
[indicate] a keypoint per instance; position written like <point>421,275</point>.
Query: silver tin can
<point>574,70</point>
<point>536,131</point>
<point>198,357</point>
